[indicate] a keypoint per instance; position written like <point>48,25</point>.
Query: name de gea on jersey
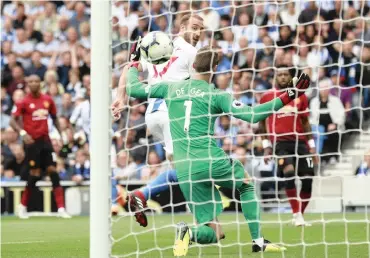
<point>194,92</point>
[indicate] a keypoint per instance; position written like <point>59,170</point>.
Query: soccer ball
<point>156,47</point>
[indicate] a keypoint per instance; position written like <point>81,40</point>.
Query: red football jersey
<point>286,124</point>
<point>35,113</point>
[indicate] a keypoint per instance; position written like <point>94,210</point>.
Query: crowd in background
<point>330,42</point>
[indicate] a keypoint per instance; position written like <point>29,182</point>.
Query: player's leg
<point>137,199</point>
<point>306,173</point>
<point>48,160</point>
<point>205,203</point>
<point>33,158</point>
<point>286,167</point>
<point>158,126</point>
<point>235,178</point>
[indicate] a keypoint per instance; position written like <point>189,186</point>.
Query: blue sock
<point>160,184</point>
<point>114,191</point>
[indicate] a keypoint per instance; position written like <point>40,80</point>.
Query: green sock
<point>204,235</point>
<point>251,209</point>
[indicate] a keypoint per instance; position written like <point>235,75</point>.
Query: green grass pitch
<point>332,235</point>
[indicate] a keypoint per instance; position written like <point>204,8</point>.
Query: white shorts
<point>158,124</point>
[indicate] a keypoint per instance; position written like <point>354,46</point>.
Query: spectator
<point>23,48</point>
<point>74,86</point>
<point>48,20</point>
<point>154,167</point>
<point>18,80</point>
<point>67,106</point>
<point>228,45</point>
<point>81,169</point>
<point>245,28</point>
<point>54,92</point>
<point>85,35</point>
<point>328,111</point>
<point>47,47</point>
<point>79,17</point>
<point>62,171</point>
<point>126,169</point>
<point>36,67</point>
<point>5,119</point>
<point>211,18</point>
<point>20,16</point>
<point>81,114</point>
<point>18,163</point>
<point>7,32</point>
<point>285,38</point>
<point>364,168</point>
<point>51,77</point>
<point>33,35</point>
<point>289,16</point>
<point>61,33</point>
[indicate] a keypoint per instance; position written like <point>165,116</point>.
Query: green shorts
<point>200,190</point>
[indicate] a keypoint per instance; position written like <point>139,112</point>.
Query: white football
<point>156,47</point>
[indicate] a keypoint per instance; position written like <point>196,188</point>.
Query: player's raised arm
<point>118,105</point>
<point>260,112</point>
<point>135,88</point>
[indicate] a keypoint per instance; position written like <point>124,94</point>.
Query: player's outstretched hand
<point>296,88</point>
<point>135,51</point>
<point>116,109</point>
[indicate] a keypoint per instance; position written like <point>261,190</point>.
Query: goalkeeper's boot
<point>137,204</point>
<point>182,240</point>
<point>267,247</point>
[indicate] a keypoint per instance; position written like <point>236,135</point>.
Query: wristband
<point>266,144</point>
<point>22,133</point>
<point>311,143</point>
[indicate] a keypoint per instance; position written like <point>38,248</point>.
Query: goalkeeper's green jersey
<point>193,106</point>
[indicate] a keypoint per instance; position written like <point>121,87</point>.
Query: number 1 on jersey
<point>187,104</point>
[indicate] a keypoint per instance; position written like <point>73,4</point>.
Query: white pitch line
<point>22,242</point>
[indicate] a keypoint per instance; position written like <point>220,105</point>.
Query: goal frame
<point>100,186</point>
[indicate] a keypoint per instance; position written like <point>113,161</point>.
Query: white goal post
<point>100,129</point>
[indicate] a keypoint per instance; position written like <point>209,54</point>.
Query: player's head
<point>34,83</point>
<point>191,26</point>
<point>283,76</point>
<point>206,60</point>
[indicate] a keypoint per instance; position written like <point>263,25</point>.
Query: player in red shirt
<point>290,131</point>
<point>34,110</point>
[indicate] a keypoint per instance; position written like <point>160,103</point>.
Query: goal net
<point>329,41</point>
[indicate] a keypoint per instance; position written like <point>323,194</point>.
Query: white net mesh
<point>329,40</point>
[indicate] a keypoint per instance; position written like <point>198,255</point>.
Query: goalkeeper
<point>193,106</point>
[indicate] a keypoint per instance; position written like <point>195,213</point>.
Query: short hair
<point>205,59</point>
<point>185,19</point>
<point>291,70</point>
<point>325,83</point>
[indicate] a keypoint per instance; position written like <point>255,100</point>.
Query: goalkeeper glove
<point>135,53</point>
<point>296,88</point>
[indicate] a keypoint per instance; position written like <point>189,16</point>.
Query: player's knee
<point>51,169</point>
<point>307,185</point>
<point>290,180</point>
<point>172,177</point>
<point>32,180</point>
<point>36,172</point>
<point>55,180</point>
<point>288,168</point>
<point>243,188</point>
